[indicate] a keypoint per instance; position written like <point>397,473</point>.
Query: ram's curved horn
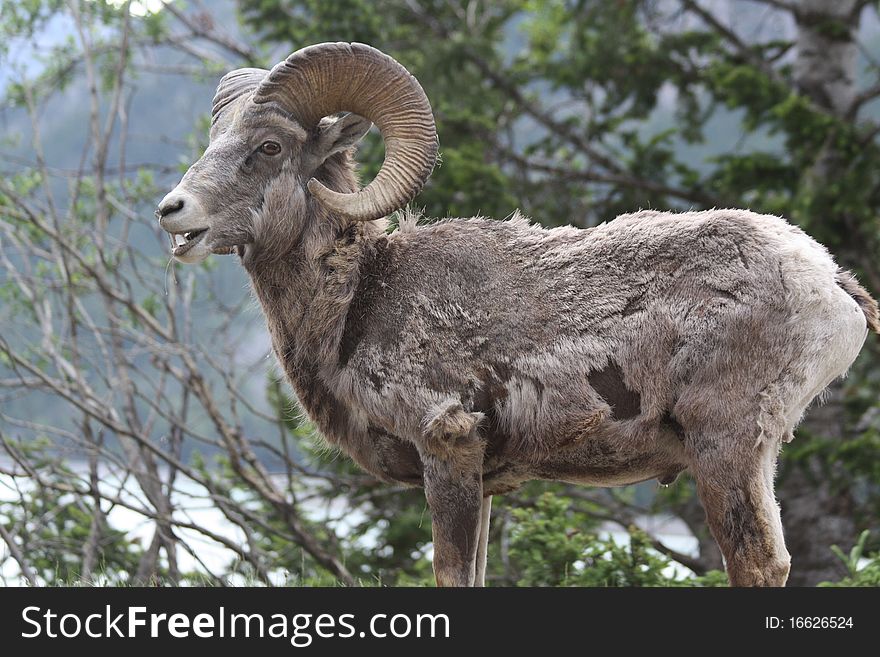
<point>327,78</point>
<point>233,89</point>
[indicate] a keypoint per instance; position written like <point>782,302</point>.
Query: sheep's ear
<point>340,134</point>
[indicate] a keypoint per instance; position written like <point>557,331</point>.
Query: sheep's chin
<point>194,256</point>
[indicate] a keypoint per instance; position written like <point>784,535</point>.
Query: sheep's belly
<point>506,477</point>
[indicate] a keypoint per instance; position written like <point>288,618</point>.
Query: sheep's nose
<point>181,212</point>
<point>168,206</point>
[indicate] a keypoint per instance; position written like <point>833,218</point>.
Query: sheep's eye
<point>270,147</point>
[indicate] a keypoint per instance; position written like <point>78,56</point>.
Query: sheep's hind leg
<point>452,455</point>
<point>736,490</point>
<point>483,545</point>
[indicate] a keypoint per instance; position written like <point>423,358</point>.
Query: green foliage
<point>313,21</point>
<point>551,545</point>
<point>554,544</point>
<point>859,574</point>
<point>23,19</point>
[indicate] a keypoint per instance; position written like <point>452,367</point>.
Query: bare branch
<point>20,559</point>
<point>862,98</point>
<point>203,25</point>
<point>744,50</point>
<point>780,4</point>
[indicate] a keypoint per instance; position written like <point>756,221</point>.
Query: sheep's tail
<point>847,281</point>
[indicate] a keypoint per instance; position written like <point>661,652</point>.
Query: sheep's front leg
<point>452,454</point>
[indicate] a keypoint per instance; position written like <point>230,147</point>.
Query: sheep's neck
<point>305,298</point>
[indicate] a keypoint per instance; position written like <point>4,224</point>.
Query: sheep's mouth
<point>183,242</point>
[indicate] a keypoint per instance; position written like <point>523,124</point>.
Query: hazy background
<point>146,433</point>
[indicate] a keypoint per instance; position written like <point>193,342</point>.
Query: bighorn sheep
<point>469,356</point>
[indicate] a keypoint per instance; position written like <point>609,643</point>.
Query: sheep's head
<point>271,127</point>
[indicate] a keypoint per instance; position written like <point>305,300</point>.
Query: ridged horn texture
<point>234,86</point>
<point>327,78</point>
